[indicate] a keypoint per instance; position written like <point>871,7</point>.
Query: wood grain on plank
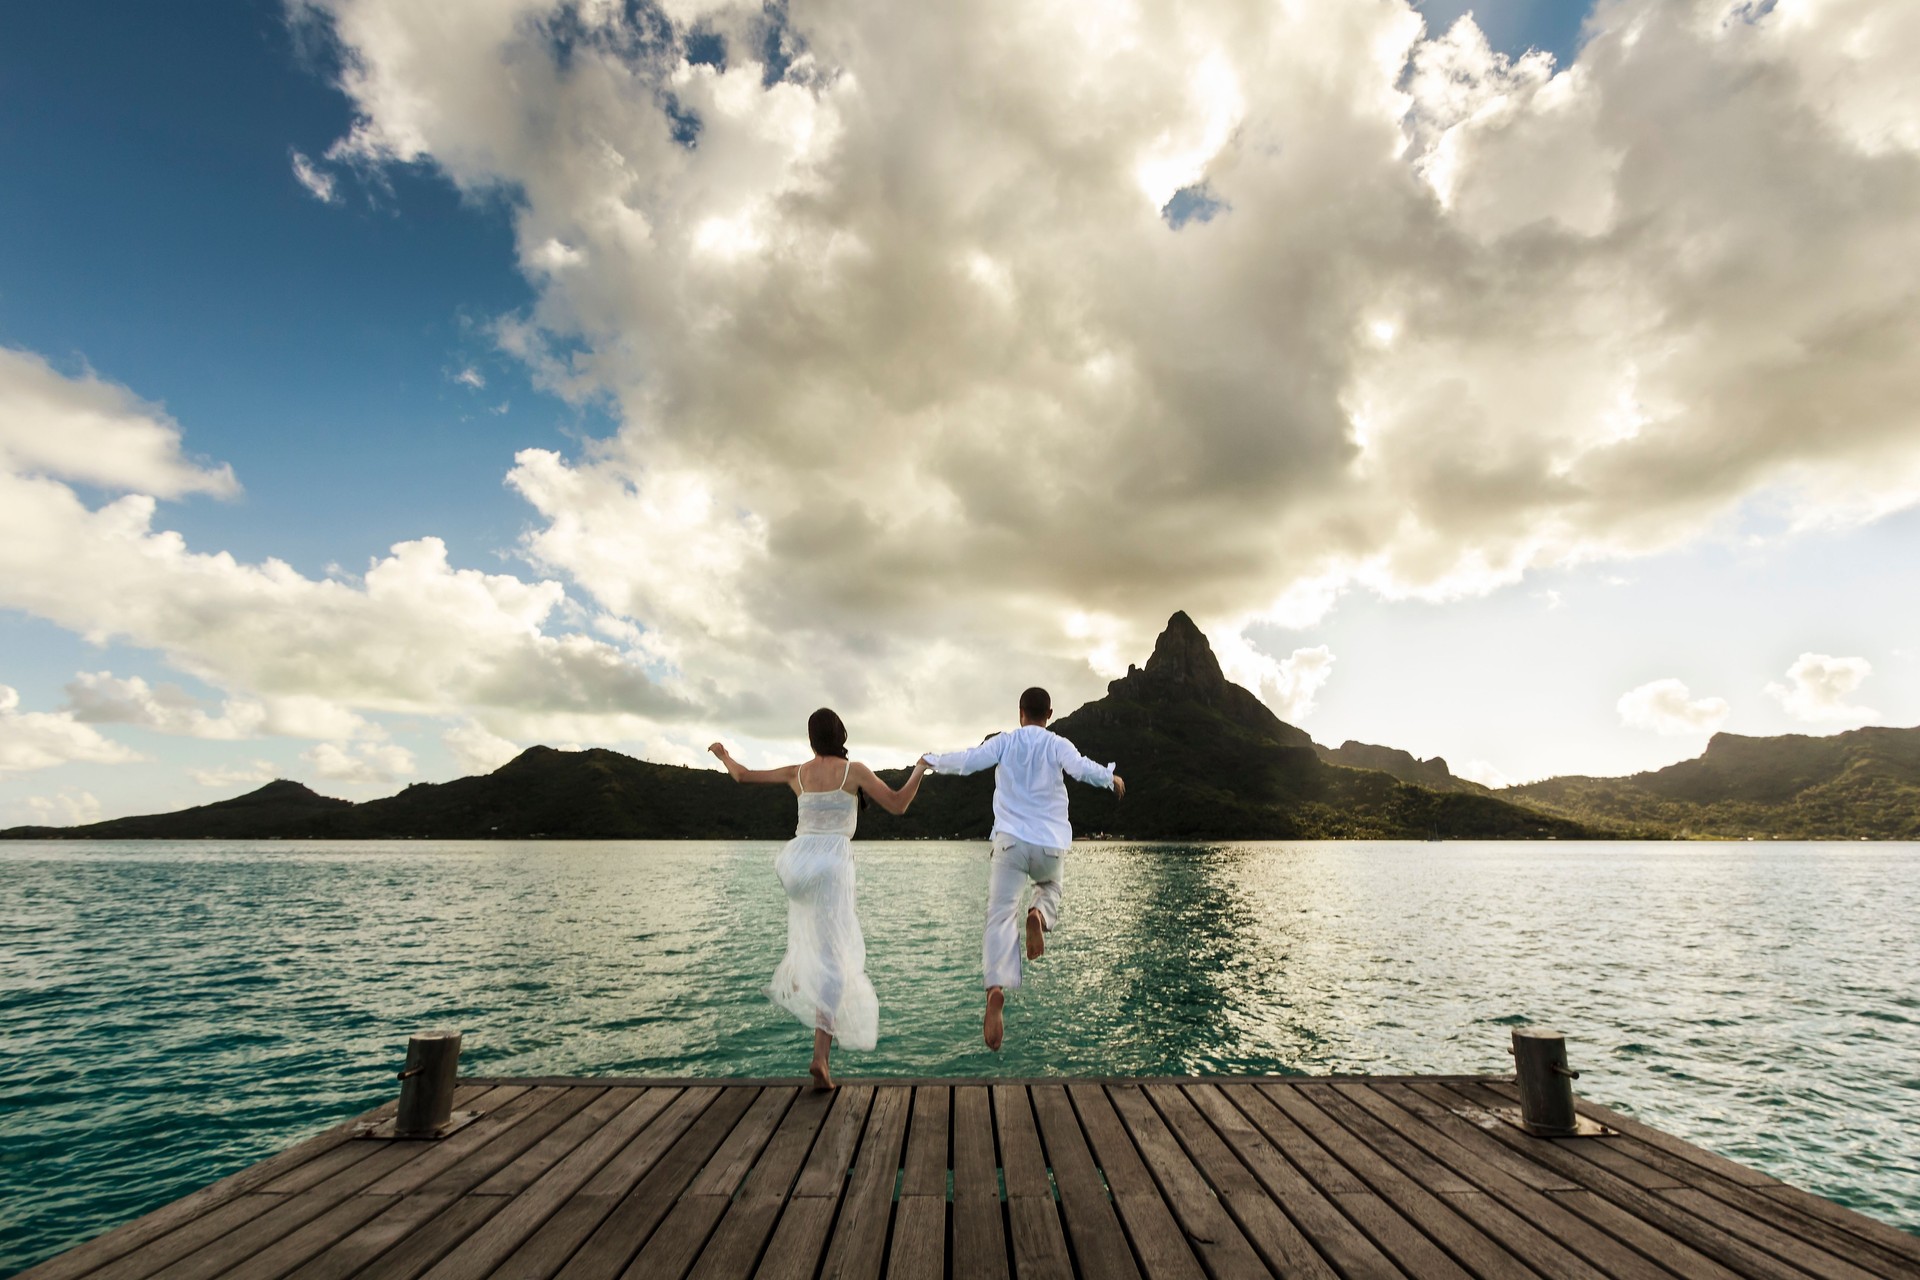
<point>435,1158</point>
<point>1700,1234</point>
<point>1391,1230</point>
<point>672,1249</point>
<point>1442,1222</point>
<point>800,1236</point>
<point>794,1252</point>
<point>530,1165</point>
<point>1038,1245</point>
<point>633,1156</point>
<point>1651,1242</point>
<point>1160,1247</point>
<point>1457,1145</point>
<point>422,1248</point>
<point>399,1219</point>
<point>1260,1218</point>
<point>735,1247</point>
<point>858,1248</point>
<point>495,1248</point>
<point>1364,1179</point>
<point>826,1167</point>
<point>919,1249</point>
<point>95,1253</point>
<point>925,1166</point>
<point>1099,1243</point>
<point>1215,1238</point>
<point>1320,1219</point>
<point>979,1221</point>
<point>625,1228</point>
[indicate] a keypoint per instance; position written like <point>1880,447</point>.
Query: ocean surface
<point>172,1012</point>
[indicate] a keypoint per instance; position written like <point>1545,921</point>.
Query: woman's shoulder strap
<point>845,774</point>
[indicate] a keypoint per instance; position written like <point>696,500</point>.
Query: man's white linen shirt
<point>1029,794</point>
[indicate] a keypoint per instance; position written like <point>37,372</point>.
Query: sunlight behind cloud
<point>1669,707</point>
<point>1818,687</point>
<point>914,400</point>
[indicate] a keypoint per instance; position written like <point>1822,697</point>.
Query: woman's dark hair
<point>827,734</point>
<point>828,737</point>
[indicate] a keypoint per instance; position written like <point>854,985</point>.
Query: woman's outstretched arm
<point>885,796</point>
<point>787,773</point>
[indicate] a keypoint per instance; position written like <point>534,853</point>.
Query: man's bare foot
<point>821,1080</point>
<point>994,1028</point>
<point>1036,934</point>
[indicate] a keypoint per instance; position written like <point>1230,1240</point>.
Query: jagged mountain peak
<point>1183,669</point>
<point>1182,656</point>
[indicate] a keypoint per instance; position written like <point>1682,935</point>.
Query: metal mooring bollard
<point>426,1085</point>
<point>1546,1084</point>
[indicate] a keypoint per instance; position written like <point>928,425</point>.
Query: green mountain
<point>1403,765</point>
<point>1863,784</point>
<point>1203,759</point>
<point>277,809</point>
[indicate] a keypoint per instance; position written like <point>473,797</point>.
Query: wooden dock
<point>1195,1179</point>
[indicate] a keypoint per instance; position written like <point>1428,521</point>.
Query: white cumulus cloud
<point>1296,681</point>
<point>914,379</point>
<point>1818,687</point>
<point>1484,773</point>
<point>95,432</point>
<point>100,697</point>
<point>254,774</point>
<point>412,634</point>
<point>477,749</point>
<point>43,739</point>
<point>912,372</point>
<point>372,763</point>
<point>1669,707</point>
<point>69,808</point>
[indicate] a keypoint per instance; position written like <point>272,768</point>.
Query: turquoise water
<point>171,1012</point>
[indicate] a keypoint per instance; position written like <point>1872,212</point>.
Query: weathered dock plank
<point>919,1248</point>
<point>979,1227</point>
<point>1189,1179</point>
<point>1099,1245</point>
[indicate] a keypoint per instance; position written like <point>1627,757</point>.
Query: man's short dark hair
<point>1036,705</point>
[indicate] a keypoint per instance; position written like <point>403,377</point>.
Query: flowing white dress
<point>822,980</point>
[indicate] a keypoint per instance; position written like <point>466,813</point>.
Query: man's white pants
<point>1015,862</point>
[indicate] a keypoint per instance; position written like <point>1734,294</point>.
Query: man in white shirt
<point>1030,838</point>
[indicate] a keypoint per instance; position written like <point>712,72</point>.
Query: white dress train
<point>822,980</point>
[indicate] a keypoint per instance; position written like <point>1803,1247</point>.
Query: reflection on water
<point>171,1012</point>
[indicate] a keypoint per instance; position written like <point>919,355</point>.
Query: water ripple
<point>169,1013</point>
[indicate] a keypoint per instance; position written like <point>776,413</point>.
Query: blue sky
<point>156,238</point>
<point>156,232</point>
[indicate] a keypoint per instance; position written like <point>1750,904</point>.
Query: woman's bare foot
<point>822,1051</point>
<point>1036,934</point>
<point>994,1027</point>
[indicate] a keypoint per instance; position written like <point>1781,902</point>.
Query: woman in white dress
<point>823,978</point>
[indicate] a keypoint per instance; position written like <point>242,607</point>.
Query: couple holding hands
<point>822,980</point>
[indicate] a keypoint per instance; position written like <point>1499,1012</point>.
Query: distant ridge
<point>1204,759</point>
<point>275,809</point>
<point>1861,784</point>
<point>1403,765</point>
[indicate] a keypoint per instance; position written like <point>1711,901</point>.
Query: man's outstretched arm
<point>1094,775</point>
<point>971,760</point>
